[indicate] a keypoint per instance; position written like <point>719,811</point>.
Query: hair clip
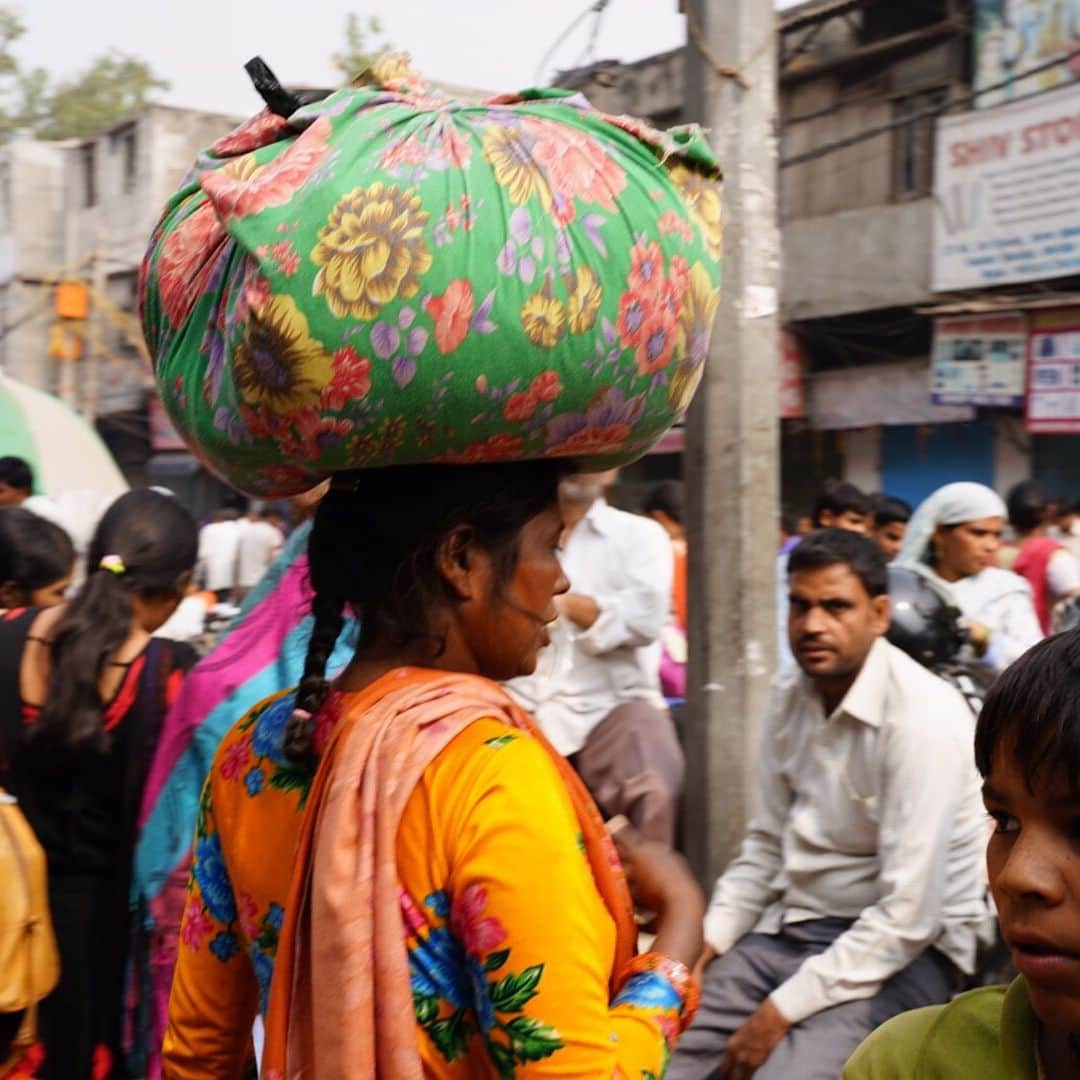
<point>113,563</point>
<point>303,714</point>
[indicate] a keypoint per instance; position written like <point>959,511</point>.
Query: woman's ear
<point>459,562</point>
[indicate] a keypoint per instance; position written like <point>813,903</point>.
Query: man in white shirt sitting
<point>859,891</point>
<point>596,691</point>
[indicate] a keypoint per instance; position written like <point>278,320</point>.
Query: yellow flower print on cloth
<point>699,310</point>
<point>704,198</point>
<point>584,303</point>
<point>391,277</point>
<point>544,319</point>
<point>371,251</point>
<point>277,365</point>
<point>514,167</point>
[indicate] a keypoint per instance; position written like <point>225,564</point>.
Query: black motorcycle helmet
<point>925,623</point>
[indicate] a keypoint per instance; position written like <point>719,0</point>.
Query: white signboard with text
<point>1053,398</point>
<point>979,360</point>
<point>1006,186</point>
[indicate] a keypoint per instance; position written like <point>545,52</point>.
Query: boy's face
<point>890,538</point>
<point>851,520</point>
<point>1033,861</point>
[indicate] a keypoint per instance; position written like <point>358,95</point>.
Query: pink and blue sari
<point>262,652</point>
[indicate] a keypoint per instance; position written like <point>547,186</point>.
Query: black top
<point>84,808</point>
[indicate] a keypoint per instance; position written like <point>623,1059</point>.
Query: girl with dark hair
<point>37,559</point>
<point>85,687</point>
<point>438,808</point>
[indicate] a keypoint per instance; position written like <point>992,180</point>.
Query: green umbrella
<point>65,452</point>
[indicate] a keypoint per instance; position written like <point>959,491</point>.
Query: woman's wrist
<point>680,925</point>
<point>677,974</point>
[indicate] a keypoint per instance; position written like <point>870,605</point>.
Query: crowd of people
<point>417,813</point>
<point>859,894</point>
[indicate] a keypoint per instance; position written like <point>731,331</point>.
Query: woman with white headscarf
<point>953,538</point>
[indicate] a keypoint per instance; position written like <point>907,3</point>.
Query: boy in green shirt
<point>1027,747</point>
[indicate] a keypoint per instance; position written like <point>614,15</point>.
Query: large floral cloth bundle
<point>387,277</point>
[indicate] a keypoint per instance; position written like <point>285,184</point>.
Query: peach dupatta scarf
<point>341,1001</point>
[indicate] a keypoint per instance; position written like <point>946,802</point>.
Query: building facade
<point>83,209</point>
<point>862,88</point>
<point>31,253</point>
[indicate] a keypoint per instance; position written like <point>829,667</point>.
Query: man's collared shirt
<point>626,564</point>
<point>871,814</point>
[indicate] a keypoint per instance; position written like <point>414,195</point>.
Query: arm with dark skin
<point>661,881</point>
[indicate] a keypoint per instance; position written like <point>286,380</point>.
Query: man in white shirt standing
<point>596,692</point>
<point>218,546</point>
<point>258,545</point>
<point>859,891</point>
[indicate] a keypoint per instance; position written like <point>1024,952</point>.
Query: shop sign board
<point>1053,398</point>
<point>1005,184</point>
<point>979,360</point>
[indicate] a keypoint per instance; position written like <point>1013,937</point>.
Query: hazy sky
<point>200,46</point>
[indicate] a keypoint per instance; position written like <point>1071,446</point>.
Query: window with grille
<point>913,143</point>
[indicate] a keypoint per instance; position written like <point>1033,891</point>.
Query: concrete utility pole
<point>732,450</point>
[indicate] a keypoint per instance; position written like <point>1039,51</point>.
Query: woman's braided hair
<point>374,546</point>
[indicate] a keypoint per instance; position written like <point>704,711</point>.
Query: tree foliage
<point>363,42</point>
<point>111,87</point>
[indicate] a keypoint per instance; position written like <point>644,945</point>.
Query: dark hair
<point>840,497</point>
<point>888,510</point>
<point>789,521</point>
<point>1027,506</point>
<point>34,552</point>
<point>374,547</point>
<point>1034,710</point>
<point>829,547</point>
<point>666,498</point>
<point>154,541</point>
<point>16,473</point>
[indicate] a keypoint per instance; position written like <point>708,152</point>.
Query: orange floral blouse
<point>510,945</point>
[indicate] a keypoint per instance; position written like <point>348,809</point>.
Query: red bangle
<point>684,983</point>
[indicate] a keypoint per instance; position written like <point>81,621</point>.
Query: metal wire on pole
<point>596,8</point>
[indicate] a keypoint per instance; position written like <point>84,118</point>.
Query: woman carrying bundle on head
<point>446,308</point>
<point>84,688</point>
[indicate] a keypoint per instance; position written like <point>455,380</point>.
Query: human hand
<point>704,960</point>
<point>749,1048</point>
<point>582,611</point>
<point>978,635</point>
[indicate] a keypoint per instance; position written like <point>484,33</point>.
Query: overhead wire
<point>597,8</point>
<point>930,113</point>
<point>588,54</point>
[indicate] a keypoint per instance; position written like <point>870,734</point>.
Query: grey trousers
<point>632,764</point>
<point>736,983</point>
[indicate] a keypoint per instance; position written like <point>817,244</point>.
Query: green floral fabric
<point>388,278</point>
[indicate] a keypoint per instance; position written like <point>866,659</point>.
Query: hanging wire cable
<point>926,114</point>
<point>588,54</point>
<point>596,8</point>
